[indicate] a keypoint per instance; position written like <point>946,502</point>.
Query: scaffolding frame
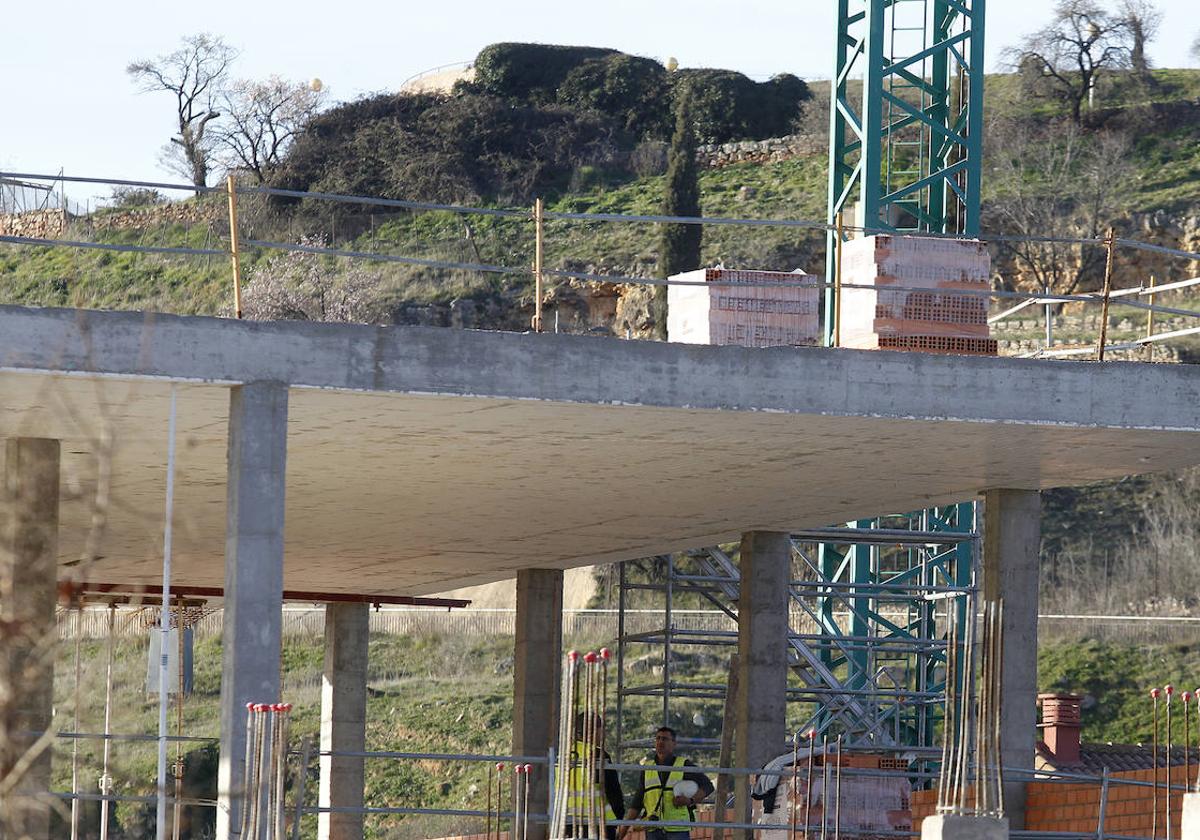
<point>868,604</point>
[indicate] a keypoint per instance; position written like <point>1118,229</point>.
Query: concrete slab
<point>422,459</point>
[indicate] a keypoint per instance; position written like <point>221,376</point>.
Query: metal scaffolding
<point>866,641</point>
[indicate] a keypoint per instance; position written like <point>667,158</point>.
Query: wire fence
<point>309,623</point>
<point>466,257</point>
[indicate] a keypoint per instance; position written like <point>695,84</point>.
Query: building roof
<point>1093,758</point>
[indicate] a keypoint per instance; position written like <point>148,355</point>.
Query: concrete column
<point>762,656</point>
<point>537,677</point>
<point>28,577</point>
<point>1012,534</point>
<point>343,719</point>
<point>253,579</point>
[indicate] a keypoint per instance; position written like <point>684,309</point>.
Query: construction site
<point>824,487</point>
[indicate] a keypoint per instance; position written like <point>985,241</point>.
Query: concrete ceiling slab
<point>421,460</point>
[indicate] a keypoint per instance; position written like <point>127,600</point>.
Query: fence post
<point>231,189</point>
<point>1109,242</point>
<point>538,243</point>
<point>1150,324</point>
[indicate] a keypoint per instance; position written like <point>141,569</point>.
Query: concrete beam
<point>343,719</point>
<point>1012,535</point>
<point>428,360</point>
<point>28,571</point>
<point>537,676</point>
<point>257,457</point>
<point>762,656</point>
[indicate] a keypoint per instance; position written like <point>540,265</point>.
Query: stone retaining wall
<point>35,224</point>
<point>775,149</point>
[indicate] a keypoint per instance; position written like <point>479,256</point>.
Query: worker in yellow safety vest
<point>668,795</point>
<point>598,798</point>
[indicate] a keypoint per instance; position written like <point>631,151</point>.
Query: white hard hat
<point>686,788</point>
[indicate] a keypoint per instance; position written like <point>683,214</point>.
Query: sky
<point>66,102</point>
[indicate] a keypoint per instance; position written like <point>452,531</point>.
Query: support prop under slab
<point>964,827</point>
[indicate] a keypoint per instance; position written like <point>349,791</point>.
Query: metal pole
<point>1103,804</point>
<point>105,779</point>
<point>1110,245</point>
<point>538,240</point>
<point>164,629</point>
<point>75,742</point>
<point>231,189</point>
<point>792,794</point>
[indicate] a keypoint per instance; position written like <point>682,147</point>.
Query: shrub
<point>125,198</point>
<point>529,72</point>
<point>630,90</point>
<point>730,106</point>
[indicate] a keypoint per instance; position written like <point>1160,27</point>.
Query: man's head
<point>664,743</point>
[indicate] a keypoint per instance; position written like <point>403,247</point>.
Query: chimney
<point>1060,726</point>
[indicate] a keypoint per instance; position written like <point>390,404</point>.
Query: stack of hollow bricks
<point>1075,807</point>
<point>748,308</point>
<point>937,304</point>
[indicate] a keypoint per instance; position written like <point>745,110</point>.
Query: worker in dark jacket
<point>668,795</point>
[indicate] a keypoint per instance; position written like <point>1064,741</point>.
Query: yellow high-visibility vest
<point>659,801</point>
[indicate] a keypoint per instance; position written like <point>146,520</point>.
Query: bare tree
<point>261,118</point>
<point>304,286</point>
<point>1194,49</point>
<point>1143,19</point>
<point>1054,182</point>
<point>193,74</point>
<point>1068,54</point>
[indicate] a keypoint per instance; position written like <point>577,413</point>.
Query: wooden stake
<point>231,189</point>
<point>1150,322</point>
<point>1109,243</point>
<point>726,756</point>
<point>538,245</point>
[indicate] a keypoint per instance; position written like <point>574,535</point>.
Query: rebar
<point>1187,740</point>
<point>824,787</point>
<point>808,783</point>
<point>1170,692</point>
<point>1154,692</point>
<point>795,789</point>
<point>837,796</point>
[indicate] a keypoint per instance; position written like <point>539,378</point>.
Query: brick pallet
<point>725,306</point>
<point>926,295</point>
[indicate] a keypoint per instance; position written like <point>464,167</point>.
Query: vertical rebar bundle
<point>579,812</point>
<point>972,724</point>
<point>267,732</point>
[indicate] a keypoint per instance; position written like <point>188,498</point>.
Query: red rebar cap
<point>1187,697</point>
<point>605,654</point>
<point>1170,689</point>
<point>249,707</point>
<point>528,769</point>
<point>499,765</point>
<point>1154,692</point>
<point>287,707</point>
<point>572,655</point>
<point>590,657</point>
<point>812,733</point>
<point>517,768</point>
